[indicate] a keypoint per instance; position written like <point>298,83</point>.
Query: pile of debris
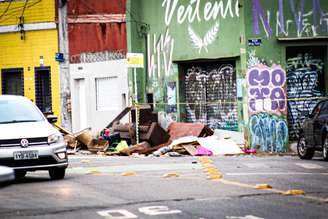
<point>178,140</point>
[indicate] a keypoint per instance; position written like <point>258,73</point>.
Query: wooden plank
<point>191,149</point>
<point>63,130</point>
<point>119,117</point>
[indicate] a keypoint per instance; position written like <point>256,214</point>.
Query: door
<point>80,88</point>
<point>12,81</point>
<point>211,94</point>
<point>305,83</point>
<point>43,89</point>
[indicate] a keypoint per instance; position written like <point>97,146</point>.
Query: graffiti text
<point>266,90</point>
<point>192,12</point>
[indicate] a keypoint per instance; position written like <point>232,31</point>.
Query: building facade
<point>253,66</point>
<point>97,56</point>
<point>28,46</point>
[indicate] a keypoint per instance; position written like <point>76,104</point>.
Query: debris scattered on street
<point>180,139</point>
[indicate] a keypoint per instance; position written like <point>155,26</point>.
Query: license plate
<point>26,155</point>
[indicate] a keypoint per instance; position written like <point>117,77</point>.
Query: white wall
<point>114,97</point>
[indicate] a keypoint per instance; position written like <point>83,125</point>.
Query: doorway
<point>80,92</point>
<point>211,94</point>
<point>43,94</point>
<point>305,83</point>
<point>12,81</point>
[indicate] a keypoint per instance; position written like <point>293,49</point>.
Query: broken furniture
<point>149,130</point>
<point>154,134</point>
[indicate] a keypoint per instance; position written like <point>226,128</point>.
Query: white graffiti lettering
<point>162,47</point>
<point>192,12</point>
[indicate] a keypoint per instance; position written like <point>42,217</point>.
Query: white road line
<point>256,165</point>
<point>309,166</point>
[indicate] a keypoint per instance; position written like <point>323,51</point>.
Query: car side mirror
<point>52,119</point>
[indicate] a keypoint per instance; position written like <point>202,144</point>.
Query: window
<point>13,81</point>
<point>108,93</point>
<point>18,111</point>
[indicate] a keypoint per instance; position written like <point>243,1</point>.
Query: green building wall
<point>230,62</point>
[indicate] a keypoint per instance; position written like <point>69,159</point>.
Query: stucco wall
<point>89,72</point>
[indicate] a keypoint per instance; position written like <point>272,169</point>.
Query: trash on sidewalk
<point>201,151</point>
<point>180,139</point>
<point>220,146</point>
<point>249,151</point>
<point>178,130</point>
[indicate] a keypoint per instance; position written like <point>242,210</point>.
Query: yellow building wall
<point>17,53</point>
<point>36,11</point>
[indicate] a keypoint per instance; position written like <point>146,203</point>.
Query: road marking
<point>272,173</point>
<point>158,210</point>
<point>117,214</point>
<point>310,166</point>
<point>246,217</point>
<point>256,165</point>
<point>147,210</point>
<point>136,168</point>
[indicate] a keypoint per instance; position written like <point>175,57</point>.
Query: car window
<point>12,111</point>
<point>324,108</point>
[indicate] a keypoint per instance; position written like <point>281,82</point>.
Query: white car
<point>28,142</point>
<point>6,174</point>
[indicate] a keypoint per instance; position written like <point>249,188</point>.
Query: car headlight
<point>54,138</point>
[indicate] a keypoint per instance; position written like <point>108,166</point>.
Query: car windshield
<point>14,111</point>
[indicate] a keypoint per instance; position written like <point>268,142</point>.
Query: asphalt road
<point>173,188</point>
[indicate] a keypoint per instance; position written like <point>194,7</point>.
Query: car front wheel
<point>303,151</point>
<point>57,173</point>
<point>325,149</point>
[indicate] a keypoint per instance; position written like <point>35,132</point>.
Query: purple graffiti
<point>298,14</point>
<point>278,77</point>
<point>258,12</point>
<point>297,11</point>
<point>281,16</point>
<point>266,90</point>
<point>256,76</point>
<point>318,14</point>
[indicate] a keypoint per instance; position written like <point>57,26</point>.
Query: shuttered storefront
<point>211,95</point>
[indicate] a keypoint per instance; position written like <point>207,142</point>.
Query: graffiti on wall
<point>268,132</point>
<point>211,96</point>
<point>266,90</point>
<point>267,105</point>
<point>194,13</point>
<point>306,23</point>
<point>303,73</point>
<point>160,53</point>
<point>208,39</point>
